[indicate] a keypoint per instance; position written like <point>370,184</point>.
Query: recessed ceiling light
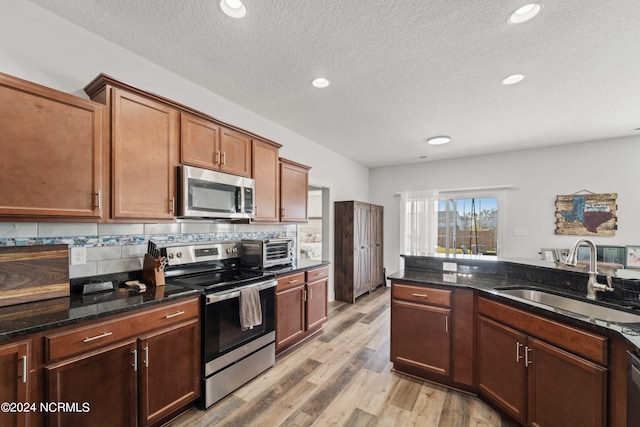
<point>512,79</point>
<point>320,82</point>
<point>523,14</point>
<point>233,8</point>
<point>438,140</point>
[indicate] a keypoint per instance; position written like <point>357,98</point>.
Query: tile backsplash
<point>114,248</point>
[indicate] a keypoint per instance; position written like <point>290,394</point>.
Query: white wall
<point>44,48</point>
<point>538,176</point>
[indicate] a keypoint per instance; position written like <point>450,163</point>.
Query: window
<point>468,222</point>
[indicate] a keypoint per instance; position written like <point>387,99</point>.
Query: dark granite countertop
<point>490,277</point>
<point>23,319</point>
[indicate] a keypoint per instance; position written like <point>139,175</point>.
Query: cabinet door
<point>199,142</point>
<point>144,142</point>
<point>51,152</point>
<point>316,303</point>
<point>420,336</point>
<point>362,251</point>
<point>235,152</point>
<point>564,389</point>
<point>266,173</point>
<point>375,243</point>
<point>294,192</point>
<point>502,376</point>
<point>14,381</point>
<point>169,370</point>
<point>290,316</point>
<point>102,384</point>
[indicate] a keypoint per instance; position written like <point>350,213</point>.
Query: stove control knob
<point>170,255</point>
<point>235,249</point>
<point>179,254</point>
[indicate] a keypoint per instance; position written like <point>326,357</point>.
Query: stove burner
<point>217,281</point>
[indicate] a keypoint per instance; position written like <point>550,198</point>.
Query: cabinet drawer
<point>97,334</point>
<point>422,295</point>
<point>289,281</point>
<point>317,273</point>
<point>582,343</point>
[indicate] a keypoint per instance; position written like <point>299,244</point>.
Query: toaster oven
<point>267,253</point>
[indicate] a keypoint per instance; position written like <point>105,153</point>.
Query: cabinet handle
<point>446,323</point>
<point>217,157</point>
<point>97,337</point>
<point>99,200</point>
<point>518,347</point>
<point>172,205</point>
<point>24,369</point>
<point>224,158</point>
<point>135,360</point>
<point>169,316</point>
<point>421,295</point>
<point>292,281</point>
<point>146,356</point>
<point>527,362</point>
<point>304,295</point>
<point>283,212</point>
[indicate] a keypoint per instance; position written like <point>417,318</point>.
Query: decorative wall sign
<point>586,214</point>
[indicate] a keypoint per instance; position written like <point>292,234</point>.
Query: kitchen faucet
<point>592,284</point>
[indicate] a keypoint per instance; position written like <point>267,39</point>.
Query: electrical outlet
<point>78,255</point>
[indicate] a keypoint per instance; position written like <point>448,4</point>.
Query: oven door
<point>222,333</point>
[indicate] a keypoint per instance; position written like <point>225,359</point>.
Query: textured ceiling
<point>400,70</point>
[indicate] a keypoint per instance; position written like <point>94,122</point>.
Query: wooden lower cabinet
<point>501,372</point>
<point>316,304</point>
<point>429,347</point>
<point>421,339</point>
<point>140,369</point>
<point>301,306</point>
<point>533,381</point>
<point>169,374</point>
<point>290,314</point>
<point>14,381</point>
<point>102,384</point>
<point>564,389</point>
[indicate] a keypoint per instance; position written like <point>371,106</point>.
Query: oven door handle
<point>235,293</point>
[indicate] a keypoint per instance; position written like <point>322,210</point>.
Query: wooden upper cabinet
<point>235,152</point>
<point>199,142</point>
<point>144,141</point>
<point>205,144</point>
<point>51,152</point>
<point>294,191</point>
<point>265,171</point>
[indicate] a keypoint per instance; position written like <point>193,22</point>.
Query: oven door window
<point>213,197</point>
<point>222,324</point>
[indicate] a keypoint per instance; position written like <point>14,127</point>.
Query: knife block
<point>152,274</point>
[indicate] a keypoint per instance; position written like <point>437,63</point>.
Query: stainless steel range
<point>231,355</point>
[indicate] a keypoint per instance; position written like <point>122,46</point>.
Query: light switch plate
<point>519,231</point>
<point>450,277</point>
<point>450,266</point>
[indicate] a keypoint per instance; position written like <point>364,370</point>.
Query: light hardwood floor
<point>343,377</point>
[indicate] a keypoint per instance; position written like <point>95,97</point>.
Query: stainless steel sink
<point>583,308</point>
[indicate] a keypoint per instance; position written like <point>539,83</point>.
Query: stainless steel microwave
<point>209,194</point>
